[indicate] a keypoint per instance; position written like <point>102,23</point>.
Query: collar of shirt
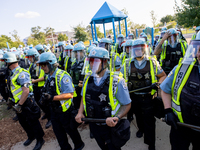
<point>137,64</point>
<point>14,69</point>
<point>53,75</point>
<point>106,74</point>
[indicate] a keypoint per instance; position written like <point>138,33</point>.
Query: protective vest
<point>67,63</point>
<point>41,73</point>
<point>186,93</point>
<point>113,59</point>
<point>15,88</point>
<point>170,56</point>
<point>108,90</point>
<point>61,60</point>
<point>54,88</point>
<point>193,37</point>
<point>141,77</point>
<point>76,72</point>
<point>123,57</point>
<point>113,48</point>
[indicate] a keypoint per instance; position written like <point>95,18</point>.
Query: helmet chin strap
<point>101,69</point>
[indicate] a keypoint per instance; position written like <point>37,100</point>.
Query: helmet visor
<point>78,55</point>
<point>172,40</point>
<point>2,63</point>
<point>192,52</point>
<point>138,51</point>
<point>67,52</point>
<point>130,37</point>
<point>94,66</point>
<point>102,44</point>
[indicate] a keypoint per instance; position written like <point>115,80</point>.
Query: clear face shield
<point>156,38</point>
<point>120,40</point>
<point>29,59</point>
<point>95,66</point>
<point>130,37</point>
<point>67,52</point>
<point>105,45</point>
<point>139,51</point>
<point>173,40</point>
<point>60,48</point>
<point>78,55</point>
<point>128,49</point>
<point>192,53</point>
<point>2,62</point>
<point>162,34</point>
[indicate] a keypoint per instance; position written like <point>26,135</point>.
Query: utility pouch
<point>195,111</point>
<point>90,110</point>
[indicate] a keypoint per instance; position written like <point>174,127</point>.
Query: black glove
<point>18,108</point>
<point>154,86</point>
<point>170,118</point>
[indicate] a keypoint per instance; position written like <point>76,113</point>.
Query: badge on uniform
<point>52,83</point>
<point>93,52</point>
<point>124,84</point>
<point>22,76</point>
<point>102,97</point>
<point>65,80</point>
<point>147,75</point>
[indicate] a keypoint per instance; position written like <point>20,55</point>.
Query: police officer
<point>76,69</point>
<point>39,48</point>
<point>194,35</point>
<point>125,54</point>
<point>131,36</point>
<point>37,73</point>
<point>142,71</point>
<point>118,45</point>
<point>61,46</point>
<point>155,41</point>
<point>171,51</point>
<point>181,98</point>
<point>20,86</point>
<point>58,92</point>
<point>68,57</point>
<point>98,100</point>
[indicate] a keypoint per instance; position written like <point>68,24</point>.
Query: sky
<point>62,15</point>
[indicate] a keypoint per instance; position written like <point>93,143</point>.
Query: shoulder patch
<point>22,76</point>
<point>170,74</point>
<point>124,84</point>
<point>65,80</point>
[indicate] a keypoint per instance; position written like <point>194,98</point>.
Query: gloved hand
<point>154,86</point>
<point>170,118</point>
<point>48,97</point>
<point>18,108</point>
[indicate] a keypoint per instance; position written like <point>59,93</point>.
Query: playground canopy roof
<point>106,13</point>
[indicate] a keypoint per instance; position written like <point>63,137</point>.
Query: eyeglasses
<point>29,56</point>
<point>42,65</point>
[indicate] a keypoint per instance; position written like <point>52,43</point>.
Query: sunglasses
<point>43,65</point>
<point>29,56</point>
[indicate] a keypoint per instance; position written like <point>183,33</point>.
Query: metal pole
<point>136,32</point>
<point>119,27</point>
<point>113,21</point>
<point>126,28</point>
<point>104,30</point>
<point>95,31</point>
<point>152,36</point>
<point>92,32</point>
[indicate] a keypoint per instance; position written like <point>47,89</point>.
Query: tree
<point>17,40</point>
<point>62,37</point>
<point>167,19</point>
<point>80,33</point>
<point>99,33</point>
<point>32,40</point>
<point>188,14</point>
<point>37,34</point>
<point>49,31</point>
<point>153,18</point>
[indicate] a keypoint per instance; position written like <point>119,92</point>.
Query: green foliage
<point>99,33</point>
<point>80,33</point>
<point>32,40</point>
<point>171,24</point>
<point>38,35</point>
<point>167,19</point>
<point>62,37</point>
<point>188,13</point>
<point>49,31</point>
<point>153,18</point>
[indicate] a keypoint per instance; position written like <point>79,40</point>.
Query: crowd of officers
<point>104,85</point>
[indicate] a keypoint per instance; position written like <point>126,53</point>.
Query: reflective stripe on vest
<point>66,62</point>
<point>114,103</point>
<point>64,103</point>
<point>16,89</point>
<point>193,37</point>
<point>181,76</point>
<point>41,74</point>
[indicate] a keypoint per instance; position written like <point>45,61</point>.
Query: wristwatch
<point>118,118</point>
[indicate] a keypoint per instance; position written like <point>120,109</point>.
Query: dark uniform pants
<point>32,127</point>
<point>37,95</point>
<point>143,107</point>
<point>102,135</point>
<point>181,138</point>
<point>77,100</point>
<point>61,123</point>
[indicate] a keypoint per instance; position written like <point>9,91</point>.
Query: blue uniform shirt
<point>66,83</point>
<point>23,77</point>
<point>122,94</point>
<point>167,83</point>
<point>143,64</point>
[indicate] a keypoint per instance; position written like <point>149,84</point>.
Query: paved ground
<point>162,140</point>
